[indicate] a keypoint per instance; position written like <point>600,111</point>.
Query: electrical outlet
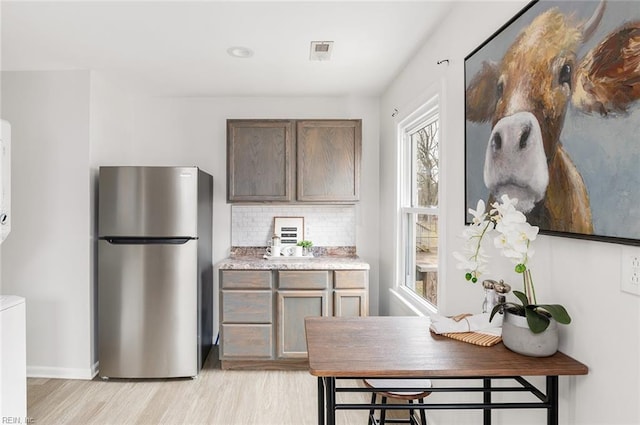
<point>630,270</point>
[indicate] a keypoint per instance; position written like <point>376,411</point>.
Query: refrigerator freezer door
<point>148,201</point>
<point>148,310</point>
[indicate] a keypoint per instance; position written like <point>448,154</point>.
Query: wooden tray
<point>475,338</point>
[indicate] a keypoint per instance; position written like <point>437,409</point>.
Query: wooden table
<point>403,347</point>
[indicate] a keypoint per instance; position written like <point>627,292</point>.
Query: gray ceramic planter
<point>517,337</point>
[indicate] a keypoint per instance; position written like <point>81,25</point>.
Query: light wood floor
<point>216,397</point>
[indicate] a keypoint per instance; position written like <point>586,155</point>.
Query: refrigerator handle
<point>148,241</point>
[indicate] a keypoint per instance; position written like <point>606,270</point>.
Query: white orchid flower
<point>530,232</point>
<point>513,237</point>
<point>509,202</point>
<point>521,235</point>
<point>500,209</point>
<point>479,214</point>
<point>512,217</point>
<point>501,241</point>
<point>515,256</point>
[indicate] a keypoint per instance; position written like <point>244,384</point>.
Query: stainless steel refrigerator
<point>155,276</point>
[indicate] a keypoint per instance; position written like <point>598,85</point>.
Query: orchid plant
<point>512,235</point>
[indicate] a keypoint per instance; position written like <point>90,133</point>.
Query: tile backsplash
<point>252,225</point>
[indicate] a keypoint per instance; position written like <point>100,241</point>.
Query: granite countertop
<point>314,263</point>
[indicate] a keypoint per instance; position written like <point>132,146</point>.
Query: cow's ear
<point>607,80</point>
<point>481,94</point>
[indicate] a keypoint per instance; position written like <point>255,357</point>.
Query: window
<point>420,140</point>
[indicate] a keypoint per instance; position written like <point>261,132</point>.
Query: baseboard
<point>62,372</point>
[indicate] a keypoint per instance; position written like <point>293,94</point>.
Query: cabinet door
<point>328,153</point>
<point>350,303</point>
<point>293,307</point>
<point>259,156</point>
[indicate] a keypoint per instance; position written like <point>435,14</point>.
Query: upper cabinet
<point>328,166</point>
<point>259,158</point>
<point>263,156</point>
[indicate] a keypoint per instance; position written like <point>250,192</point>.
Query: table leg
<point>486,413</point>
<point>320,401</point>
<point>552,398</point>
<point>330,387</point>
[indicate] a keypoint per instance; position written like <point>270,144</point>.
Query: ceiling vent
<point>321,50</point>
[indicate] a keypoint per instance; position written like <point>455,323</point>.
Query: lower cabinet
<point>246,314</point>
<point>350,295</point>
<point>293,307</point>
<point>263,311</point>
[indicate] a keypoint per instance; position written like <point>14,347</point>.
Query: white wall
<point>192,131</point>
<point>46,258</point>
<point>66,124</point>
<point>582,275</point>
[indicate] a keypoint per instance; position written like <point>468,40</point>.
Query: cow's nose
<point>524,136</point>
<point>496,141</point>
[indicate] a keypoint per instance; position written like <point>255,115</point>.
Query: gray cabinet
<point>300,294</point>
<point>262,312</point>
<point>246,310</point>
<point>246,341</point>
<point>350,294</point>
<point>350,303</point>
<point>259,160</point>
<point>293,307</point>
<point>268,159</point>
<point>328,160</point>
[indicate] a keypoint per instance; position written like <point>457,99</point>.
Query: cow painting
<point>525,97</point>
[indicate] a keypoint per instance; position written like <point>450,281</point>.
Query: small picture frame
<point>289,229</point>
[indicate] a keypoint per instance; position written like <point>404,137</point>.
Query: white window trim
<point>404,126</point>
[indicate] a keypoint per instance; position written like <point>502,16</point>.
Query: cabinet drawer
<point>350,279</point>
<point>246,279</point>
<point>247,306</point>
<point>247,341</point>
<point>307,279</point>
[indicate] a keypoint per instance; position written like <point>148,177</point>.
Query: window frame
<point>423,115</point>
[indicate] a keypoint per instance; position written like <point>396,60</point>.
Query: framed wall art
<point>552,118</point>
<point>289,229</point>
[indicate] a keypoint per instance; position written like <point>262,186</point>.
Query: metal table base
<point>328,405</point>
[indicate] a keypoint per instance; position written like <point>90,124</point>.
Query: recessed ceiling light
<point>240,52</point>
